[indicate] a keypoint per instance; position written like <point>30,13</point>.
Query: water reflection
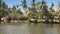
<point>30,29</point>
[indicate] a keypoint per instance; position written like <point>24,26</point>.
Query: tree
<point>38,8</point>
<point>3,9</point>
<point>14,7</point>
<point>51,12</point>
<point>58,9</point>
<point>44,11</point>
<point>33,3</point>
<point>51,9</point>
<point>33,10</point>
<point>24,4</point>
<point>4,5</point>
<point>0,3</point>
<point>3,13</point>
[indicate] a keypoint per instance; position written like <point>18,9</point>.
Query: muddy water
<point>30,28</point>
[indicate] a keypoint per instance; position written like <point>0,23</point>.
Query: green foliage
<point>37,9</point>
<point>3,9</point>
<point>51,9</point>
<point>19,11</point>
<point>44,9</point>
<point>14,7</point>
<point>13,15</point>
<point>3,12</point>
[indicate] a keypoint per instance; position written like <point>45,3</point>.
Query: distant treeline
<point>36,10</point>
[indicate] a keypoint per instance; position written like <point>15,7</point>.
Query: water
<point>30,29</point>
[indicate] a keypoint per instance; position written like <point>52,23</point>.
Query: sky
<point>10,3</point>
